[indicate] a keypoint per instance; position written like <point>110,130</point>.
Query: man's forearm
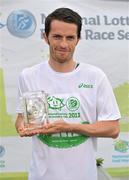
<point>98,129</point>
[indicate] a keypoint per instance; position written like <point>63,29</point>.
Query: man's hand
<point>22,129</point>
<point>55,127</point>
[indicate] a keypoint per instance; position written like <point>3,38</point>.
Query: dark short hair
<point>66,15</point>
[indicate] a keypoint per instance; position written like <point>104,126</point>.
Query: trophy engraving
<point>35,109</point>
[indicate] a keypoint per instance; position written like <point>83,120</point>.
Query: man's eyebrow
<point>62,35</point>
<point>71,36</point>
<point>56,35</point>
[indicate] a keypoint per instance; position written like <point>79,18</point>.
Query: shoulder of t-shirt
<point>28,71</point>
<point>92,69</point>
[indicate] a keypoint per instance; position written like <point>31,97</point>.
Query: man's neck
<point>62,67</point>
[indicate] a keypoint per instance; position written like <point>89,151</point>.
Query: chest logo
<point>72,104</point>
<point>55,103</point>
<point>84,85</point>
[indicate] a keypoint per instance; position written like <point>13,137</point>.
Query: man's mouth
<point>62,50</point>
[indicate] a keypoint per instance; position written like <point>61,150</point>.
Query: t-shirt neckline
<point>51,70</point>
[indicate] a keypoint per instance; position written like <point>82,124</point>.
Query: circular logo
<point>2,151</point>
<point>72,104</point>
<point>21,23</point>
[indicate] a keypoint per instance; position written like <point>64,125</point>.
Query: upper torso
<point>73,97</point>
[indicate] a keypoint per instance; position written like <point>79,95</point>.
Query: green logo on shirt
<point>72,104</point>
<point>63,140</point>
<point>55,103</point>
<point>83,85</point>
<point>67,108</point>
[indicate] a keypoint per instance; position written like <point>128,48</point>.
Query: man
<point>81,102</point>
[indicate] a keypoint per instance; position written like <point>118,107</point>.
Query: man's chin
<point>61,61</point>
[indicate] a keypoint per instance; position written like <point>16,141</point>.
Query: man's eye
<point>70,38</point>
<point>57,37</point>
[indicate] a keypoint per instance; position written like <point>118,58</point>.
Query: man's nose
<point>63,43</point>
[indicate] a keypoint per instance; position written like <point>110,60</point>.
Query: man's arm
<point>98,129</point>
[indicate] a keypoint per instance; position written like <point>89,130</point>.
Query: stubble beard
<point>60,60</point>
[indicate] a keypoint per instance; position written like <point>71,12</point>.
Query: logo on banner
<point>2,25</point>
<point>121,146</point>
<point>21,23</point>
<point>2,151</point>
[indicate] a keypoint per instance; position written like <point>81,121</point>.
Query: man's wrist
<point>73,128</point>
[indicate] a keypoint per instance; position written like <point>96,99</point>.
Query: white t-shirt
<point>81,96</point>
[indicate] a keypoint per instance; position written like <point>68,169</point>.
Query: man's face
<point>62,40</point>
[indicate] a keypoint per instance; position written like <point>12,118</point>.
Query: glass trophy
<point>35,109</point>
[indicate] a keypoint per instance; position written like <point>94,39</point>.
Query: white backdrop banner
<point>104,43</point>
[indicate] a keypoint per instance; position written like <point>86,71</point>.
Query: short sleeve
<point>21,89</point>
<point>107,108</point>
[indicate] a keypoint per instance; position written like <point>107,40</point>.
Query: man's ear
<point>45,38</point>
